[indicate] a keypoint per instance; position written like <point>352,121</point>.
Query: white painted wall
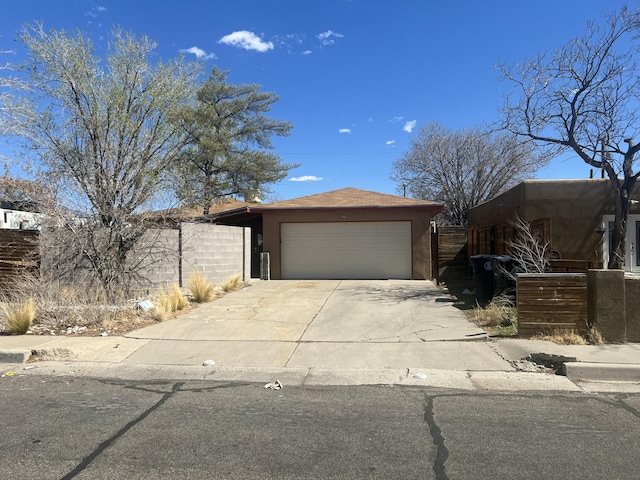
<point>19,220</point>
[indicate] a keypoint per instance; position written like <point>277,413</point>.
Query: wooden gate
<point>19,254</point>
<point>449,252</point>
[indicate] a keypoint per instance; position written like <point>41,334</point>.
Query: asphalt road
<point>64,428</point>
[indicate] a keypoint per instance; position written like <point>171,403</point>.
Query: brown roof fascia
<point>367,207</point>
<point>434,207</point>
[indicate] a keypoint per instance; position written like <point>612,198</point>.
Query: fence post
<point>265,266</point>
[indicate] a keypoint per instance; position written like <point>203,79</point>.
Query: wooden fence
<point>496,239</point>
<point>449,252</point>
<point>551,301</point>
<point>19,254</point>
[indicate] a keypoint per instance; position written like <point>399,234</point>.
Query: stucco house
<point>19,216</point>
<point>575,216</point>
<point>341,234</point>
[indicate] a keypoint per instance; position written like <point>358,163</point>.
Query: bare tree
<point>463,168</point>
<point>103,132</point>
<point>582,98</point>
<point>10,83</point>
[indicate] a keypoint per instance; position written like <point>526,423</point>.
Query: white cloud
<point>396,119</point>
<point>199,53</point>
<point>246,40</point>
<point>307,52</point>
<point>344,130</point>
<point>96,8</point>
<point>306,178</point>
<point>409,126</point>
<point>328,37</point>
<point>390,142</point>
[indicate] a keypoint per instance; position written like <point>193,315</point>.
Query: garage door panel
<point>357,250</point>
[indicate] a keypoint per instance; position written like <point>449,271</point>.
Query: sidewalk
<point>596,363</point>
<point>327,333</point>
<point>474,365</point>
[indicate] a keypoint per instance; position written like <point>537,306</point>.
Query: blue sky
<point>356,78</point>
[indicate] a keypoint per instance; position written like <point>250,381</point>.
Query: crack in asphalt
<point>175,388</point>
<point>109,441</point>
<point>442,453</point>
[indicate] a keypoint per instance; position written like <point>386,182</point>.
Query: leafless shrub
<point>60,307</point>
<point>529,252</point>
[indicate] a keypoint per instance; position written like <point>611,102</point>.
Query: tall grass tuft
<point>168,302</point>
<point>162,308</point>
<point>201,290</point>
<point>232,284</point>
<point>177,299</point>
<point>18,316</point>
<point>500,316</point>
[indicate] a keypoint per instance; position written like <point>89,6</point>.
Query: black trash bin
<point>483,277</point>
<point>503,268</point>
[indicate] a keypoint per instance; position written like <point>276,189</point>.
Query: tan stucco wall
<point>632,310</point>
<point>420,231</point>
<point>575,208</point>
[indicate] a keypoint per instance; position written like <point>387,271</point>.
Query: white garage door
<point>346,250</point>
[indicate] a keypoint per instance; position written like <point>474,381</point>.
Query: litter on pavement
<point>274,386</point>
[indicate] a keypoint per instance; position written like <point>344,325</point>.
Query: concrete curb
<point>511,381</point>
<point>601,372</point>
<point>14,356</point>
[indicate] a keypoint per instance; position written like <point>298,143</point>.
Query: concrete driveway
<point>323,324</point>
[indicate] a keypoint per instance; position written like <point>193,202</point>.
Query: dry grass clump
<point>201,290</point>
<point>594,337</point>
<point>65,309</point>
<point>161,310</point>
<point>562,337</point>
<point>572,337</point>
<point>232,284</point>
<point>500,316</point>
<point>18,316</point>
<point>170,301</point>
<point>177,298</point>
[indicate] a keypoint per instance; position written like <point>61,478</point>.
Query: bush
<point>500,316</point>
<point>232,284</point>
<point>18,316</point>
<point>168,302</point>
<point>177,299</point>
<point>201,290</point>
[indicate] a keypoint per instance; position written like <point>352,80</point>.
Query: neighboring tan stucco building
<point>342,234</point>
<point>574,215</point>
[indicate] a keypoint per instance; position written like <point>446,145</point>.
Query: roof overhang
<point>250,215</point>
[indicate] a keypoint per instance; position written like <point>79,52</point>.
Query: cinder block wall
<point>156,263</point>
<point>216,251</point>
